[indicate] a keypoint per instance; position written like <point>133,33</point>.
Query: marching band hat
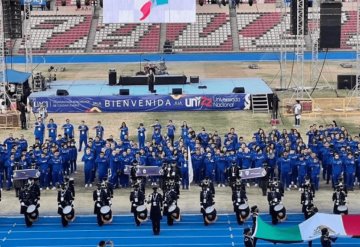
<point>324,231</point>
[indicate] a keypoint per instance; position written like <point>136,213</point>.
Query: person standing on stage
<point>83,129</point>
<point>99,130</point>
<point>124,131</point>
<point>325,238</point>
<point>52,129</point>
<point>171,131</point>
<point>297,112</point>
<point>156,201</point>
<point>39,130</point>
<point>141,135</point>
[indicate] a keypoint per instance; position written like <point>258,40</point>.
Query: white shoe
<point>223,185</point>
<point>219,185</point>
<point>248,185</point>
<point>256,185</point>
<point>290,186</point>
<point>86,185</point>
<point>295,186</point>
<point>90,185</point>
<point>41,188</point>
<point>300,189</point>
<point>288,189</point>
<point>47,188</point>
<point>53,188</point>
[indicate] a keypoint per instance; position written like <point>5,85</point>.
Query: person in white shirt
<point>297,113</point>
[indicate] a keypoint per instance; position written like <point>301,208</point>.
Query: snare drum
<point>210,214</point>
<point>106,214</point>
<point>32,213</point>
<point>280,211</point>
<point>69,213</point>
<point>244,211</point>
<point>342,209</point>
<point>141,213</point>
<point>174,212</point>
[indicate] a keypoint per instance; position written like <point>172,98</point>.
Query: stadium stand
<point>126,37</point>
<point>211,32</point>
<point>59,33</point>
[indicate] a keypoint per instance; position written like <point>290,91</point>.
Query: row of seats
<point>211,32</point>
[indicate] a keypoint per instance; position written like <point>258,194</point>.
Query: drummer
<point>137,198</point>
<point>65,198</point>
<point>239,198</point>
<point>339,199</point>
<point>170,198</point>
<point>29,204</point>
<point>206,200</point>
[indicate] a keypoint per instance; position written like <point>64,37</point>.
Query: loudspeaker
<point>238,90</point>
<point>112,77</point>
<point>330,25</point>
<point>194,79</point>
<point>177,91</point>
<point>346,81</point>
<point>293,17</point>
<point>12,19</point>
<point>62,92</point>
<point>124,92</point>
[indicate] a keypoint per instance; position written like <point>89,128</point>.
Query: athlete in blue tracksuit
<point>115,168</point>
<point>337,169</point>
<point>209,165</point>
<point>171,131</point>
<point>56,164</point>
<point>68,129</point>
<point>349,163</point>
<point>83,135</point>
<point>326,157</point>
<point>102,166</point>
<point>43,165</point>
<point>99,130</point>
<point>294,169</point>
<point>314,171</point>
<point>156,137</point>
<point>89,166</point>
<point>124,131</point>
<point>65,154</point>
<point>221,165</point>
<point>184,168</point>
<point>52,129</point>
<point>141,135</point>
<point>302,169</point>
<point>285,168</point>
<point>198,166</point>
<point>39,130</point>
<point>246,159</point>
<point>9,168</point>
<point>72,157</point>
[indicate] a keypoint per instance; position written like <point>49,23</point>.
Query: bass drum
<point>174,211</point>
<point>141,213</point>
<point>210,215</point>
<point>342,209</point>
<point>280,211</point>
<point>69,213</point>
<point>244,211</point>
<point>32,212</point>
<point>106,214</point>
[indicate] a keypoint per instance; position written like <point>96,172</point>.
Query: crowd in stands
<point>330,149</point>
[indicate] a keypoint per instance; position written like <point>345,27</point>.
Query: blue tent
<point>16,77</point>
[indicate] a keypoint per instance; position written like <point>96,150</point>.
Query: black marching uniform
<point>339,199</point>
<point>238,198</point>
<point>28,197</point>
<point>102,197</point>
<point>65,198</point>
<point>206,200</point>
<point>248,240</point>
<point>274,198</point>
<point>137,198</point>
<point>170,198</point>
<point>325,239</point>
<point>233,174</point>
<point>156,200</point>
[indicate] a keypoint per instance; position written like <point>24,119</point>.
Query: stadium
<point>179,123</point>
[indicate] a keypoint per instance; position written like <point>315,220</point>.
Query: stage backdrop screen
<point>149,11</point>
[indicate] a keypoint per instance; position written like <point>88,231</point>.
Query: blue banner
<point>35,2</point>
<point>149,103</point>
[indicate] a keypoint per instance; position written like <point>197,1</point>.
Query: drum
<point>174,211</point>
<point>69,213</point>
<point>244,211</point>
<point>210,214</point>
<point>141,213</point>
<point>342,209</point>
<point>280,211</point>
<point>106,214</point>
<point>32,213</point>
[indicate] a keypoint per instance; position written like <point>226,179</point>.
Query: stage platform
<point>98,96</point>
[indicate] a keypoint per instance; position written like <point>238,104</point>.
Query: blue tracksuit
<point>171,132</point>
<point>39,130</point>
<point>72,158</point>
<point>57,170</point>
<point>302,171</point>
<point>83,129</point>
<point>52,130</point>
<point>184,168</point>
<point>209,164</point>
<point>221,164</point>
<point>99,131</point>
<point>102,167</point>
<point>9,167</point>
<point>141,137</point>
<point>89,166</point>
<point>315,172</point>
<point>285,168</point>
<point>43,164</point>
<point>349,172</point>
<point>198,166</point>
<point>124,131</point>
<point>68,130</point>
<point>115,168</point>
<point>337,169</point>
<point>246,160</point>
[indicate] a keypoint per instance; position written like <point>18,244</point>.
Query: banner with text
<point>149,11</point>
<point>150,103</point>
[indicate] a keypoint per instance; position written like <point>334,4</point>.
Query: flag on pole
<point>191,171</point>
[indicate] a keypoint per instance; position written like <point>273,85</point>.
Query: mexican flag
<point>338,225</point>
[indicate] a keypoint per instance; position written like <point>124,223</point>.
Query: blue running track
<point>84,231</point>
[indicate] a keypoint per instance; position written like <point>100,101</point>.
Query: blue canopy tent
<point>16,77</point>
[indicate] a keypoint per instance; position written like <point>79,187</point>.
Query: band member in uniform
<point>325,238</point>
<point>65,200</point>
<point>306,199</point>
<point>207,201</point>
<point>137,198</point>
<point>170,202</point>
<point>155,199</point>
<point>208,184</point>
<point>233,174</point>
<point>254,215</point>
<point>241,207</point>
<point>274,199</point>
<point>339,199</point>
<point>29,204</point>
<point>102,207</point>
<point>310,210</point>
<point>248,240</point>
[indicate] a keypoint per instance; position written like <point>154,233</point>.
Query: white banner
<point>149,11</point>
